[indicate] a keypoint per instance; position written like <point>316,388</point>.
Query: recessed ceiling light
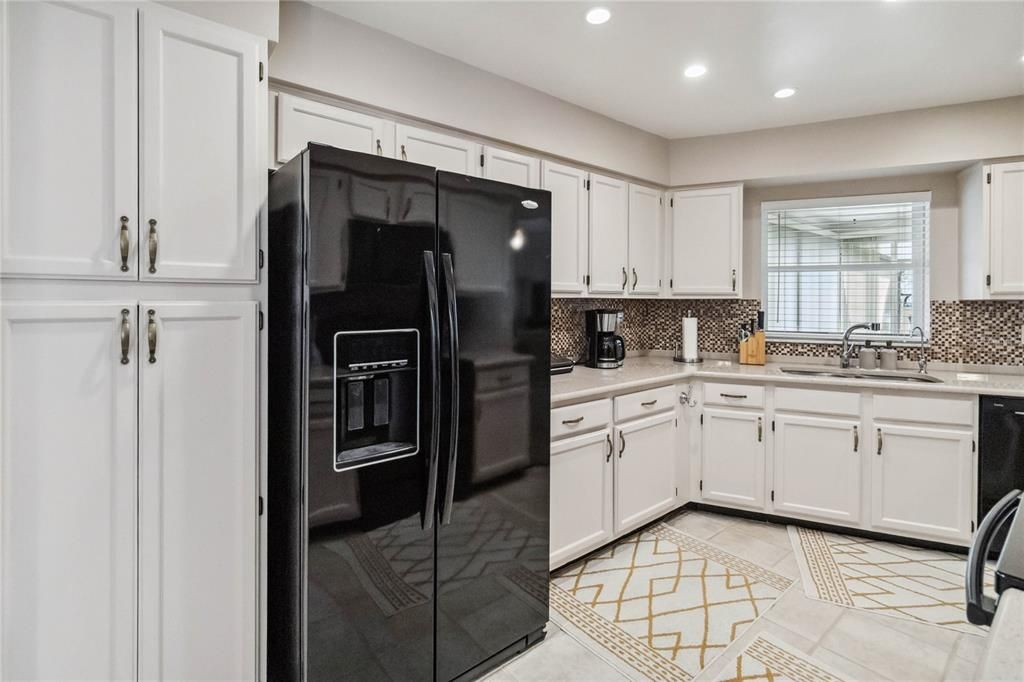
<point>598,15</point>
<point>695,71</point>
<point>784,93</point>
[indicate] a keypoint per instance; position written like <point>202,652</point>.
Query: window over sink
<point>831,263</point>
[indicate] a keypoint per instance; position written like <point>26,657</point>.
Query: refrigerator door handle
<point>448,269</point>
<point>980,607</point>
<point>435,377</point>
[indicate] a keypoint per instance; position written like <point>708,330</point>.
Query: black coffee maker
<point>605,348</point>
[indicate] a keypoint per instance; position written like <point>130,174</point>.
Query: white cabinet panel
<point>198,490</point>
<point>732,458</point>
<point>444,152</point>
<point>645,229</point>
<point>69,139</point>
<point>67,485</point>
<point>300,121</point>
<point>581,495</point>
<point>921,481</point>
<point>609,222</point>
<point>817,467</point>
<point>1006,220</point>
<point>569,226</point>
<point>203,173</point>
<point>516,169</point>
<point>645,471</point>
<point>707,236</point>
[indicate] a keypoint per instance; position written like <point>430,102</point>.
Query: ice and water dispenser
<point>376,396</point>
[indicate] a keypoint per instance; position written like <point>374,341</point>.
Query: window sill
<point>876,341</point>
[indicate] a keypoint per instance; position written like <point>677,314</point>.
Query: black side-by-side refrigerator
<point>408,331</point>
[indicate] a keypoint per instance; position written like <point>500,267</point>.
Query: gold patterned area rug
<point>663,603</point>
<point>773,661</point>
<point>895,580</point>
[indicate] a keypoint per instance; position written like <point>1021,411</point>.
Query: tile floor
<point>856,644</point>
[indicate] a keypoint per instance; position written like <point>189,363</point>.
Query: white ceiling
<point>845,58</point>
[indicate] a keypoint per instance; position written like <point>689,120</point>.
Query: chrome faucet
<point>922,356</point>
<point>848,348</point>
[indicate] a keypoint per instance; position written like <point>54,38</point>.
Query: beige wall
<point>259,17</point>
<point>943,235</point>
<point>961,132</point>
<point>324,52</point>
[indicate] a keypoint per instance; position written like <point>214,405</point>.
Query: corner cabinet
<point>156,117</point>
<point>707,242</point>
<point>569,226</point>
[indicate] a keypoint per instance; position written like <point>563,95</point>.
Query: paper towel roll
<point>689,339</point>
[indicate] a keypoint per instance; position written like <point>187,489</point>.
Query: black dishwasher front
<point>1001,453</point>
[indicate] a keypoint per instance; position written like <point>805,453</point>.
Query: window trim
<point>851,200</point>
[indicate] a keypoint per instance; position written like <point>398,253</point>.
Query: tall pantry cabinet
<point>132,193</point>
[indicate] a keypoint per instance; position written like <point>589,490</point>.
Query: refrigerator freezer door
<point>492,543</point>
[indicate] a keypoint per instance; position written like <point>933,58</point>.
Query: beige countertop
<point>647,371</point>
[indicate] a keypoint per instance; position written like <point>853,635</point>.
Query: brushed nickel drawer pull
<point>625,279</point>
<point>153,245</point>
<point>608,439</point>
<point>760,429</point>
<point>649,403</point>
<point>856,439</point>
<point>126,335</point>
<point>404,155</point>
<point>634,279</point>
<point>879,441</point>
<point>622,444</point>
<point>125,243</point>
<point>577,420</point>
<point>734,280</point>
<point>151,334</point>
<point>737,396</point>
<point>380,150</point>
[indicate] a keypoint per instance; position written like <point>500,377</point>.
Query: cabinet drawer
<point>643,403</point>
<point>580,418</point>
<point>498,378</point>
<point>734,395</point>
<point>916,408</point>
<point>817,401</point>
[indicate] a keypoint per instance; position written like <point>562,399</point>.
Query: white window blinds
<point>831,263</point>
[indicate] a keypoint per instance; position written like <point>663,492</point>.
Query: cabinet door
<point>707,234</point>
<point>516,169</point>
<point>1006,223</point>
<point>67,481</point>
<point>569,226</point>
<point>69,178</point>
<point>203,171</point>
<point>645,210</point>
<point>444,152</point>
<point>300,121</point>
<point>645,471</point>
<point>198,491</point>
<point>817,467</point>
<point>921,481</point>
<point>609,240</point>
<point>581,495</point>
<point>732,458</point>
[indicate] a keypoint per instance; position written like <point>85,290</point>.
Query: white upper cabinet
<point>569,226</point>
<point>68,548</point>
<point>732,458</point>
<point>511,167</point>
<point>444,152</point>
<point>609,241</point>
<point>300,121</point>
<point>69,145</point>
<point>203,170</point>
<point>198,487</point>
<point>645,230</point>
<point>1006,232</point>
<point>707,236</point>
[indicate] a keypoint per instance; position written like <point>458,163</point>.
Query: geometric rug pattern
<point>663,602</point>
<point>912,583</point>
<point>769,659</point>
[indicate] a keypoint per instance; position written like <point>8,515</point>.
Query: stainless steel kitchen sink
<point>880,375</point>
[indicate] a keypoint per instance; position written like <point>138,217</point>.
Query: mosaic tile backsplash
<point>967,332</point>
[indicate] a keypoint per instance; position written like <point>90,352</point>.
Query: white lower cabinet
<point>581,495</point>
<point>817,467</point>
<point>732,458</point>
<point>921,481</point>
<point>645,471</point>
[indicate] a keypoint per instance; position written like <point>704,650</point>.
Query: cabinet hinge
<point>586,280</point>
<point>677,423</point>
<point>988,178</point>
<point>773,496</point>
<point>671,203</point>
<point>670,283</point>
<point>261,320</point>
<point>773,426</point>
<point>261,259</point>
<point>261,505</point>
<point>974,446</point>
<point>700,485</point>
<point>481,160</point>
<point>677,492</point>
<point>586,184</point>
<point>988,280</point>
<point>702,420</point>
<point>972,526</point>
<point>261,71</point>
<point>659,283</point>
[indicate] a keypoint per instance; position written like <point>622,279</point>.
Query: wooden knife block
<point>752,349</point>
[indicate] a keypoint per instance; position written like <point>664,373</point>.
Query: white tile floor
<point>856,644</point>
